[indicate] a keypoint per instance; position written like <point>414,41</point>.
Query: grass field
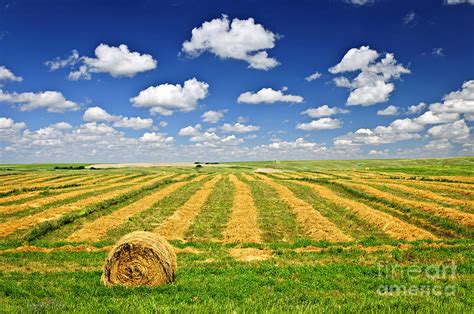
<point>314,236</point>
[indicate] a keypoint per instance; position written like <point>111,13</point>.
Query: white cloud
<point>116,61</point>
<point>320,124</point>
<point>461,101</point>
<point>323,111</point>
<point>409,17</point>
<point>59,63</point>
<point>268,96</point>
<point>239,39</point>
<point>355,59</point>
<point>61,126</point>
<point>135,123</point>
<point>373,84</point>
<point>400,126</point>
<point>212,116</point>
<point>7,75</point>
<point>457,130</point>
<point>166,98</point>
<point>190,130</point>
<point>389,111</point>
<point>298,144</point>
<point>438,52</point>
<point>51,100</point>
<point>97,114</point>
<point>442,145</point>
<point>156,138</point>
<point>416,108</point>
<point>238,128</point>
<point>313,76</point>
<point>163,124</point>
<point>7,123</point>
<point>374,152</point>
<point>454,2</point>
<point>430,117</point>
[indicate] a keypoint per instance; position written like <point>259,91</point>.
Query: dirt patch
<point>242,225</point>
<point>175,227</point>
<point>268,170</point>
<point>250,254</point>
<point>315,225</point>
<point>392,226</point>
<point>98,228</point>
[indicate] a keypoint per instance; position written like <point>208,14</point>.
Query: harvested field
<point>320,233</point>
<point>394,227</point>
<point>458,216</point>
<point>177,224</point>
<point>315,225</point>
<point>66,195</point>
<point>242,226</point>
<point>9,227</point>
<point>96,229</point>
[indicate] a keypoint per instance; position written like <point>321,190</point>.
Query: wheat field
<point>304,235</point>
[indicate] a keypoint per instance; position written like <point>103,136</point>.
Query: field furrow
<point>316,226</point>
<point>55,198</point>
<point>243,225</point>
<point>98,228</point>
<point>175,227</point>
<point>9,227</point>
<point>458,216</point>
<point>394,227</point>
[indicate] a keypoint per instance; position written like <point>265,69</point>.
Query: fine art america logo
<point>417,280</point>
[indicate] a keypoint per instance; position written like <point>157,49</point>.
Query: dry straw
<point>140,259</point>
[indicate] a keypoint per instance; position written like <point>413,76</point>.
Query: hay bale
<point>140,258</point>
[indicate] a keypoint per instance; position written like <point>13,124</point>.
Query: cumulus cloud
<point>313,76</point>
<point>50,100</point>
<point>461,101</point>
<point>8,123</point>
<point>156,138</point>
<point>416,108</point>
<point>166,98</point>
<point>457,131</point>
<point>238,128</point>
<point>212,116</point>
<point>97,114</point>
<point>455,2</point>
<point>389,111</point>
<point>208,138</point>
<point>323,111</point>
<point>373,84</point>
<point>7,75</point>
<point>268,96</point>
<point>116,61</point>
<point>240,39</point>
<point>430,117</point>
<point>320,124</point>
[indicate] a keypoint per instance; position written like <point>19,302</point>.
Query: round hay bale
<point>140,259</point>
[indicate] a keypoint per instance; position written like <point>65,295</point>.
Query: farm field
<point>253,236</point>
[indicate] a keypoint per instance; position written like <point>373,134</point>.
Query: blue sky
<point>123,81</point>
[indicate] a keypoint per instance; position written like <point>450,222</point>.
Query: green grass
<point>333,280</point>
<point>215,213</point>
